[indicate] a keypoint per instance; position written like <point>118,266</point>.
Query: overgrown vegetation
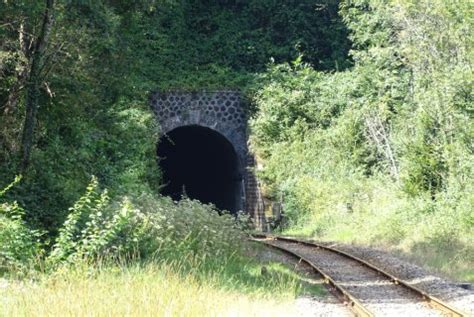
<point>376,140</point>
<point>75,78</point>
<point>384,148</point>
<point>20,247</point>
<point>98,229</point>
<point>186,257</point>
<point>151,290</point>
<point>103,60</point>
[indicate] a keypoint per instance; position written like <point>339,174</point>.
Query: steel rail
<point>355,305</point>
<point>431,300</point>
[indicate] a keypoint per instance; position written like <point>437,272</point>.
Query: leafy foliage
<point>386,146</point>
<point>104,59</point>
<point>146,227</point>
<point>384,134</point>
<point>19,245</point>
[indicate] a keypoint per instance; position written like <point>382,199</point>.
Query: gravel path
<point>377,293</point>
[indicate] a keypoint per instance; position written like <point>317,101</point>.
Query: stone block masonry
<point>225,113</point>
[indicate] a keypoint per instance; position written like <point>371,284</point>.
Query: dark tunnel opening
<point>201,163</point>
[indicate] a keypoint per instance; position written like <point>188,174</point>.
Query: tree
<point>34,83</point>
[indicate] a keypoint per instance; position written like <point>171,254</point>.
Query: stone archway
<point>224,113</point>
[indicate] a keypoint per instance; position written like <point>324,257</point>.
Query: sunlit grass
<point>236,289</point>
<point>132,291</point>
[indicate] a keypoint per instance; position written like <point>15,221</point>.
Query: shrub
<point>145,226</point>
<point>19,244</point>
<point>383,148</point>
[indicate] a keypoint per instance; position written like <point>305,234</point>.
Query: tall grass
<point>157,288</point>
<point>143,255</point>
<point>435,234</point>
<point>140,290</point>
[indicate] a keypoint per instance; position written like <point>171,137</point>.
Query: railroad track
<point>368,290</point>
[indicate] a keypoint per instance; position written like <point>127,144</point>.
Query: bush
<point>19,245</point>
<point>383,148</point>
<point>143,227</point>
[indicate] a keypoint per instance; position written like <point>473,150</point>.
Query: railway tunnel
<point>202,164</point>
<point>202,150</point>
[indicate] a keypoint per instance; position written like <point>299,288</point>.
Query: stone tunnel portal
<point>203,164</point>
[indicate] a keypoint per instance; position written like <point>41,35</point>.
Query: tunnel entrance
<point>203,164</point>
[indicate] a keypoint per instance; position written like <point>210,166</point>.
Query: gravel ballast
<point>308,305</point>
<point>374,291</point>
<point>444,289</point>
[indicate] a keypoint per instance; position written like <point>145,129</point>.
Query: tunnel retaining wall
<point>225,113</point>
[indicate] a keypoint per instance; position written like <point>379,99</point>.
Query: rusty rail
<point>356,306</point>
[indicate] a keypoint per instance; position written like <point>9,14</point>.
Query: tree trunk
<point>33,85</point>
